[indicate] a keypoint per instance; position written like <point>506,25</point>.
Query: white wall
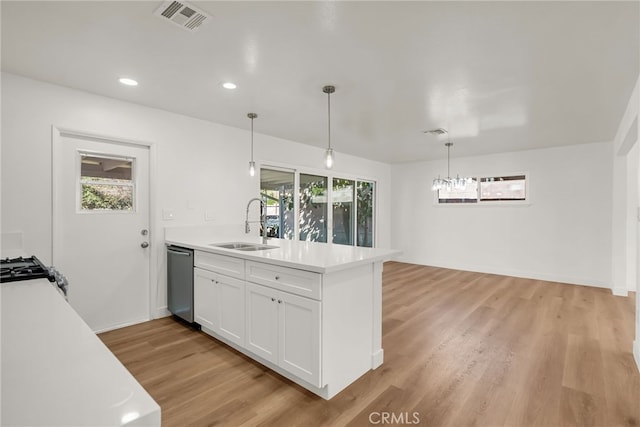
<point>564,234</point>
<point>626,214</point>
<point>200,165</point>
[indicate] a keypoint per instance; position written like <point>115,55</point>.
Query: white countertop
<point>57,372</point>
<point>310,256</point>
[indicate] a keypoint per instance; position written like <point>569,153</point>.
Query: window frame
<point>330,175</point>
<point>80,154</point>
<point>478,177</point>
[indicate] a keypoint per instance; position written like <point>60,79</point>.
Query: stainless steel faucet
<point>263,219</point>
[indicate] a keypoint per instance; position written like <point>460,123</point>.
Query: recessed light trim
<point>127,81</point>
<point>229,85</point>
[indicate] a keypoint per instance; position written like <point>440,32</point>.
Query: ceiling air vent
<point>182,14</point>
<point>438,131</point>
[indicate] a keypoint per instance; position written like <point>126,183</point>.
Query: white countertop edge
<point>56,371</point>
<point>282,255</point>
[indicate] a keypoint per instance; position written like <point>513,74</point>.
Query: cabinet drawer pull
<point>279,301</point>
<point>273,299</point>
<point>277,277</point>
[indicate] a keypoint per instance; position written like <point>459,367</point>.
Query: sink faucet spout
<point>263,218</point>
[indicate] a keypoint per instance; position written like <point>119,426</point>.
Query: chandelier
<point>448,183</point>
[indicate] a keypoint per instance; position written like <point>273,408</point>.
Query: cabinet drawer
<point>222,264</point>
<point>299,282</point>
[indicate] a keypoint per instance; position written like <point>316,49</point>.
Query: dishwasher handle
<point>173,251</point>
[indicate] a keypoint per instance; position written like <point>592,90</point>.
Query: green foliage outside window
<point>107,197</point>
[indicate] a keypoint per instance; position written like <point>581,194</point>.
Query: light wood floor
<point>461,349</point>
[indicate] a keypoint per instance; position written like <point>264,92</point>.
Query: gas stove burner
<point>21,268</point>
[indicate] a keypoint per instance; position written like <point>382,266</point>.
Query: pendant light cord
<point>252,138</point>
<point>252,116</point>
<point>329,121</point>
<point>449,159</point>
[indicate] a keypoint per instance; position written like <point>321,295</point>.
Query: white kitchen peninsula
<point>310,311</point>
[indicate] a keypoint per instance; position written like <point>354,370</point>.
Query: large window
<point>277,187</point>
<point>342,195</point>
<point>313,208</point>
<point>366,207</point>
<point>298,207</point>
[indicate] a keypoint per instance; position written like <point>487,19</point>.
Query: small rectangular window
<point>501,188</point>
<point>106,183</point>
<point>468,194</point>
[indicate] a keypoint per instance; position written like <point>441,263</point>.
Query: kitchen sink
<point>243,246</point>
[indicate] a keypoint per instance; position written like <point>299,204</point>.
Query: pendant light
<point>328,157</point>
<point>252,164</point>
<point>448,183</point>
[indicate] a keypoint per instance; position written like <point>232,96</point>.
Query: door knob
<point>144,232</point>
<point>144,245</point>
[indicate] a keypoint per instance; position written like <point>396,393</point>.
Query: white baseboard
<point>636,353</point>
<point>121,325</point>
<point>161,312</point>
<point>377,358</point>
<point>620,292</point>
<point>536,275</point>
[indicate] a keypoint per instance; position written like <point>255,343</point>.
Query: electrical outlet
<point>168,214</point>
<point>209,215</point>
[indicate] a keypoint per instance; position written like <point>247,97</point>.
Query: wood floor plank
<point>461,349</point>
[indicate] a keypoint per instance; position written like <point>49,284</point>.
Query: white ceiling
<point>500,76</point>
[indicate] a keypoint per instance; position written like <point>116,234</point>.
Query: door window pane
<point>342,195</point>
<point>313,208</point>
<point>365,207</point>
<point>106,183</point>
<point>277,187</point>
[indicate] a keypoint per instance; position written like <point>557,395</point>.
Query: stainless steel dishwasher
<point>180,282</point>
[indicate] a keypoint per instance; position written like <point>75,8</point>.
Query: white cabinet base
<point>349,345</point>
<point>320,330</point>
<point>326,392</point>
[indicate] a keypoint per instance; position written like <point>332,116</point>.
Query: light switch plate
<point>209,215</point>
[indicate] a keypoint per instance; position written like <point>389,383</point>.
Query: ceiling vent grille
<point>182,14</point>
<point>438,131</point>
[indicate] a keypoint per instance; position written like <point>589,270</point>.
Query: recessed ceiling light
<point>128,82</point>
<point>229,85</point>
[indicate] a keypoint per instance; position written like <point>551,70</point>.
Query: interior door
<point>101,227</point>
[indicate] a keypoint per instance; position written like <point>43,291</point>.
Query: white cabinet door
<point>299,337</point>
<point>284,329</point>
<point>219,304</point>
<point>205,298</point>
<point>262,321</point>
<point>231,309</point>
